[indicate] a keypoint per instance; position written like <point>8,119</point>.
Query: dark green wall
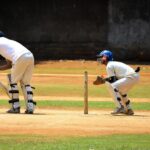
<point>129,28</point>
<point>70,29</point>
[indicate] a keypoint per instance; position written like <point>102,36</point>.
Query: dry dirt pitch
<point>59,123</point>
<point>73,123</point>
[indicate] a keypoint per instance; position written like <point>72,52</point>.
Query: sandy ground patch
<point>73,123</point>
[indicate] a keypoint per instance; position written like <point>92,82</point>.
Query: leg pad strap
<point>119,99</point>
<point>125,95</point>
<point>13,91</point>
<point>128,102</point>
<point>13,100</point>
<point>29,92</point>
<point>31,101</point>
<point>116,90</point>
<point>13,84</point>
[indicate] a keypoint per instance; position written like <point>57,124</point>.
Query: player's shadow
<point>122,115</point>
<point>38,114</point>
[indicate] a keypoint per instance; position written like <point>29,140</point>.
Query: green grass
<point>58,89</point>
<point>140,91</point>
<point>111,142</point>
<point>72,90</point>
<point>93,104</point>
<point>79,104</point>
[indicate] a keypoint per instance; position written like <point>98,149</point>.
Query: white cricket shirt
<point>118,69</point>
<point>11,49</point>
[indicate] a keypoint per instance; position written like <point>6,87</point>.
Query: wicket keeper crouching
<point>21,62</point>
<point>120,79</point>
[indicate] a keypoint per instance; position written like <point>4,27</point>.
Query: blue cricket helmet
<point>107,53</point>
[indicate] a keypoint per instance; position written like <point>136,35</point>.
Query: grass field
<point>57,78</point>
<point>79,104</point>
<point>61,84</point>
<point>112,142</point>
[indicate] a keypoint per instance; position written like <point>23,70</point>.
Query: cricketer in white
<point>120,79</point>
<point>21,62</point>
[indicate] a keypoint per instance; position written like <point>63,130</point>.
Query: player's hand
<point>99,80</point>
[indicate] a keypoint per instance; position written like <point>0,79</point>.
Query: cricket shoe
<point>28,111</point>
<point>118,111</point>
<point>14,110</point>
<point>130,112</point>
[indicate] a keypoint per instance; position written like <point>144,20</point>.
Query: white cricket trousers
<point>123,86</point>
<point>22,69</point>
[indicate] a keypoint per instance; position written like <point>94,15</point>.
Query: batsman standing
<point>120,79</point>
<point>21,62</point>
